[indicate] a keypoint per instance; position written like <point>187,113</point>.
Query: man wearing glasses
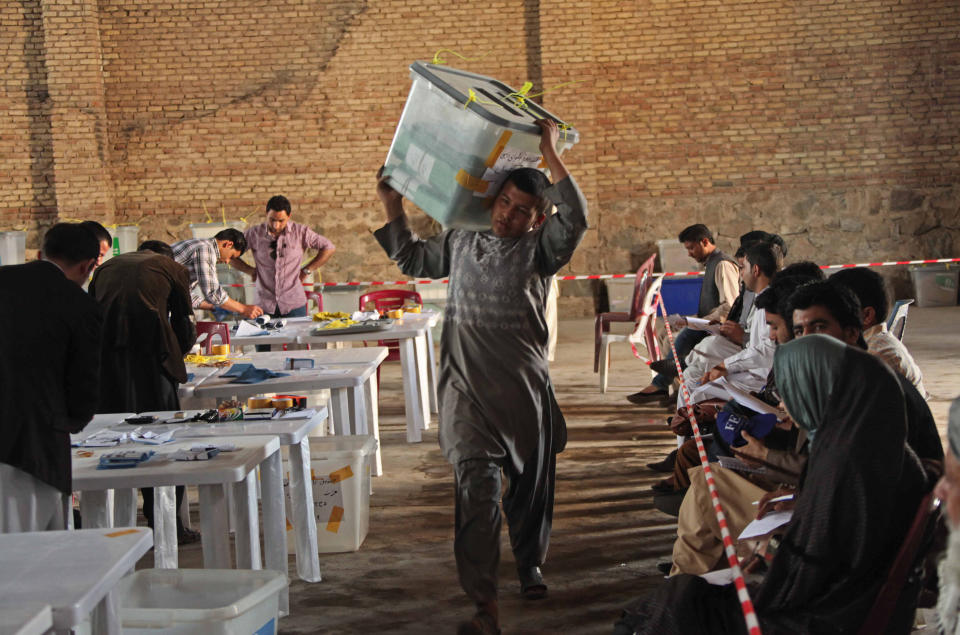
<point>278,245</point>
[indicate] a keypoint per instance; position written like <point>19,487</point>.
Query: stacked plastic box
<point>459,135</point>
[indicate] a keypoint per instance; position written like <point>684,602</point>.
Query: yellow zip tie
<point>439,60</point>
<point>209,218</point>
<point>223,214</point>
<point>520,97</point>
<point>576,81</point>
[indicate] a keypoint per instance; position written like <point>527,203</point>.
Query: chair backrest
<point>640,286</point>
<point>909,557</point>
<point>646,322</point>
<point>387,299</point>
<point>213,329</point>
<point>317,299</point>
<point>897,320</point>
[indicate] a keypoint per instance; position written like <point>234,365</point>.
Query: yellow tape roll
<point>259,402</point>
<point>220,349</point>
<point>283,404</point>
<point>395,313</point>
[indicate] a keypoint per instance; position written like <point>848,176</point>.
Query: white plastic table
<point>73,572</point>
<point>236,469</point>
<point>292,433</point>
<point>412,333</point>
<point>25,619</point>
<point>352,386</point>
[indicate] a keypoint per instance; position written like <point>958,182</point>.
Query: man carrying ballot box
<point>498,413</point>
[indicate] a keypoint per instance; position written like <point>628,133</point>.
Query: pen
<point>775,500</point>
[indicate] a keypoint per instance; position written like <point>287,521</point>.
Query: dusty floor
<point>607,538</point>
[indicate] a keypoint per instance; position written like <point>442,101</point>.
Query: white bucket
<point>200,602</point>
<point>13,247</point>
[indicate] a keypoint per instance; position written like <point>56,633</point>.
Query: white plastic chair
<point>897,322</point>
<point>643,333</point>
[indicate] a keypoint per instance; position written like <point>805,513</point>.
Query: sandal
<point>482,623</point>
<point>532,586</point>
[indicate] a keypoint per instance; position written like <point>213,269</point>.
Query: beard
<point>948,602</point>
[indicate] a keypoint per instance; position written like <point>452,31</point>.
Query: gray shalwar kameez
<point>497,406</point>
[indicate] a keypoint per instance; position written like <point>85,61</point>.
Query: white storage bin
<point>620,293</point>
<point>125,239</point>
<point>200,602</point>
<point>674,257</point>
<point>13,247</point>
<point>450,152</point>
<point>340,471</point>
<point>935,285</point>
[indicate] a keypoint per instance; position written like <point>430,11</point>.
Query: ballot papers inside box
<point>459,135</point>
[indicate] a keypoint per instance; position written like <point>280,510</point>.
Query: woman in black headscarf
<point>861,489</point>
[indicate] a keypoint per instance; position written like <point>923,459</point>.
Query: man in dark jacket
<point>49,376</point>
<point>148,327</point>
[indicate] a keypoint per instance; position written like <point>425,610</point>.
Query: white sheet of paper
<point>245,329</point>
<point>763,526</point>
<point>701,324</point>
<point>746,399</point>
<point>719,578</point>
<point>710,390</point>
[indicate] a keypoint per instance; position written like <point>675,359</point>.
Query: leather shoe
<point>665,567</point>
<point>663,487</point>
<point>642,398</point>
<point>666,465</point>
<point>664,367</point>
<point>532,586</point>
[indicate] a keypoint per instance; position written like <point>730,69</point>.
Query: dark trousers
<point>300,311</point>
<point>528,505</point>
<point>684,341</point>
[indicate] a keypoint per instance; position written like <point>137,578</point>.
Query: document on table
<point>245,329</point>
<point>763,526</point>
<point>744,398</point>
<point>701,324</point>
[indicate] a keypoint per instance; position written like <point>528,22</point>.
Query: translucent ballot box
<point>459,135</point>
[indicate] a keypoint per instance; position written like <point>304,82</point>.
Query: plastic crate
<point>935,285</point>
<point>13,247</point>
<point>200,602</point>
<point>681,296</point>
<point>451,152</point>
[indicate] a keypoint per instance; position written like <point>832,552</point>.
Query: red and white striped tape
<point>614,276</point>
<point>746,605</point>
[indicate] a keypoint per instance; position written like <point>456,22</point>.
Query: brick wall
<point>834,123</point>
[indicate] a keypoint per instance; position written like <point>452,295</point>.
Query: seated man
<point>870,289</point>
<point>747,366</point>
<point>948,491</point>
<point>717,294</point>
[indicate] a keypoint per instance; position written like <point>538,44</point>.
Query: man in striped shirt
<point>200,256</point>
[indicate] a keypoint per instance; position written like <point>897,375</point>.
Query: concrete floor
<point>607,538</point>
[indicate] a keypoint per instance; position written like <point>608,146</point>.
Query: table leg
<point>371,389</point>
<point>339,408</point>
<point>125,508</point>
<point>301,506</point>
<point>247,530</point>
<point>213,527</point>
<point>411,402</point>
<point>164,528</point>
<point>96,508</point>
<point>432,373</point>
<point>420,345</point>
<point>274,522</point>
<point>105,618</point>
<point>358,410</point>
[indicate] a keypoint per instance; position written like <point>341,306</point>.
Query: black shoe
<point>187,536</point>
<point>663,487</point>
<point>665,567</point>
<point>666,465</point>
<point>532,586</point>
<point>643,398</point>
<point>664,367</point>
<point>669,503</point>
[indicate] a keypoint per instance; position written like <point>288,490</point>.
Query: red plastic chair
<point>317,299</point>
<point>212,329</point>
<point>386,300</point>
<point>906,570</point>
<point>641,287</point>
